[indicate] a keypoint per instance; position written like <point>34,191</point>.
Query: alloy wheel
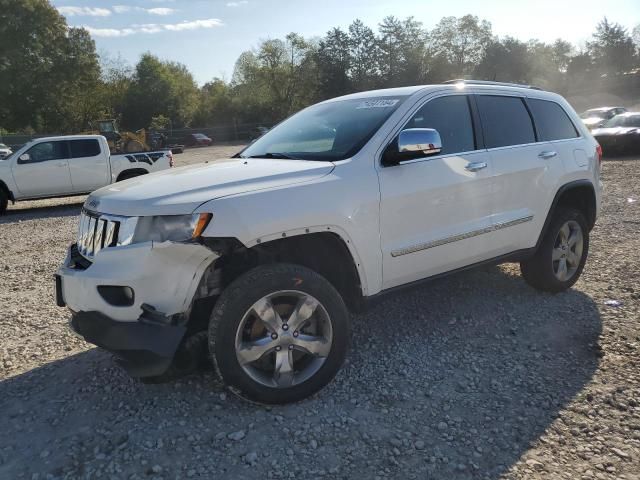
<point>567,251</point>
<point>284,339</point>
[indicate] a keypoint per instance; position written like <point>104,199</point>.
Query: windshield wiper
<point>273,155</point>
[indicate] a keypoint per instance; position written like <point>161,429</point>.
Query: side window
<point>451,117</point>
<point>551,120</point>
<point>505,121</point>
<point>84,148</point>
<point>44,151</point>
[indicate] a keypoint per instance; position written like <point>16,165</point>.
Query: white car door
<point>46,172</point>
<point>436,210</point>
<point>88,165</point>
<point>526,169</point>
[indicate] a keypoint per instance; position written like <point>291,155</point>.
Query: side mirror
<point>413,143</point>
<point>421,141</point>
<point>25,157</point>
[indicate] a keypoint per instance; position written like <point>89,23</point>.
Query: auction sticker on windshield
<point>377,104</point>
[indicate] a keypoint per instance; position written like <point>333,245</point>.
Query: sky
<point>209,35</point>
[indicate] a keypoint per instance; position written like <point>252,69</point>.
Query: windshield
<point>623,121</point>
<point>327,131</point>
<point>2,145</point>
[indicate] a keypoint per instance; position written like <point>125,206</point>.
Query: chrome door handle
<point>547,155</point>
<point>475,166</point>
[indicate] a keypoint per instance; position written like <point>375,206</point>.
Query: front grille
<point>96,232</point>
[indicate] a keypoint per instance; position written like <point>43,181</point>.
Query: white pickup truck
<point>70,165</point>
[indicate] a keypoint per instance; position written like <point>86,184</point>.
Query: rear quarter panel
<point>148,161</point>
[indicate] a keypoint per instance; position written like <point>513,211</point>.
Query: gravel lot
<point>473,376</point>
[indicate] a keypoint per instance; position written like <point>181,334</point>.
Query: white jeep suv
<point>259,258</point>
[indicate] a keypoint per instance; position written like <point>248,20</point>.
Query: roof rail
<point>488,82</point>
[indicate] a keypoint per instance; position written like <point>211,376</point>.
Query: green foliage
<point>49,71</point>
<point>159,122</point>
<point>54,81</point>
<point>612,48</point>
<point>160,88</point>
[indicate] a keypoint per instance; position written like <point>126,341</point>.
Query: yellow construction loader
<point>121,142</point>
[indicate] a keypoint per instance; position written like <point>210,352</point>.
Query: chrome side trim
<point>462,236</point>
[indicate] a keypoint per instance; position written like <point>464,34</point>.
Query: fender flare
<point>554,204</point>
<point>341,233</point>
<point>3,186</point>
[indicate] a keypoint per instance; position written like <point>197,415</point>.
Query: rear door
<point>435,210</point>
<point>88,165</point>
<point>46,173</point>
<point>525,170</point>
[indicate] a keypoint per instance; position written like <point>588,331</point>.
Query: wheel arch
<point>131,172</point>
<point>325,252</point>
<point>5,189</point>
<point>579,194</point>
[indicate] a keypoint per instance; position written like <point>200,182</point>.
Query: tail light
<point>171,159</point>
<point>599,153</point>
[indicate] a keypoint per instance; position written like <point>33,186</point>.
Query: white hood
<point>181,190</point>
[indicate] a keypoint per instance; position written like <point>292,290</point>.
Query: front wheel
<point>560,258</point>
<point>278,334</point>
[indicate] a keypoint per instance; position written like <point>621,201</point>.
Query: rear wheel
<point>278,334</point>
<point>561,256</point>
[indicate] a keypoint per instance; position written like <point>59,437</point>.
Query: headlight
<point>173,228</point>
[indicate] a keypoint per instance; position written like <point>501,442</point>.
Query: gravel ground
<point>472,376</point>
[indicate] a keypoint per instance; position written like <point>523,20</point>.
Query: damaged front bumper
<point>134,300</point>
<point>143,349</point>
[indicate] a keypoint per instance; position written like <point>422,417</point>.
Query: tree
<point>116,78</point>
<point>363,54</point>
<point>334,62</point>
<point>461,41</point>
<point>402,47</point>
<point>48,70</point>
<point>611,49</point>
<point>506,60</point>
<point>160,88</point>
<point>276,78</point>
<point>215,106</point>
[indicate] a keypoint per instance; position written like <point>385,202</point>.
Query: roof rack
<point>488,82</point>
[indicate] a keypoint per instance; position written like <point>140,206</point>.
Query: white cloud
<point>161,11</point>
<point>238,3</point>
<point>109,32</point>
<point>84,11</point>
<point>151,28</point>
<point>153,11</point>
<point>195,24</point>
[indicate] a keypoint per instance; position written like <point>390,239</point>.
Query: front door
<point>435,211</point>
<point>46,172</point>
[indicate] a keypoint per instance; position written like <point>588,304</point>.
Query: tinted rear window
<point>505,121</point>
<point>84,148</point>
<point>551,120</point>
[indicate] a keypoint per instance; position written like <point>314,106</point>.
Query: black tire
<point>538,271</point>
<point>4,201</point>
<point>192,355</point>
<point>239,297</point>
